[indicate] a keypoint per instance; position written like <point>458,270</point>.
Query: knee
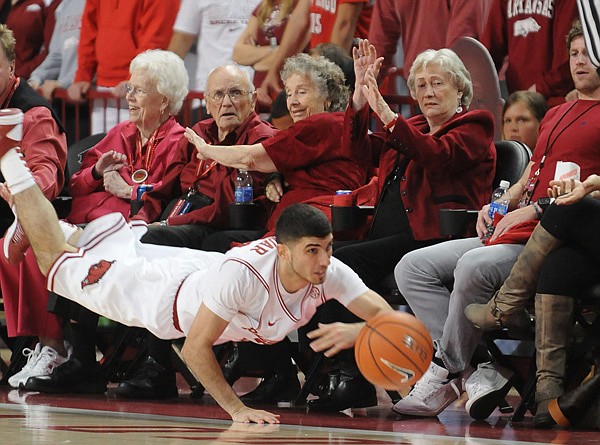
<point>405,269</point>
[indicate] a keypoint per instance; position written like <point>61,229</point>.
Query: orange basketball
<point>393,350</point>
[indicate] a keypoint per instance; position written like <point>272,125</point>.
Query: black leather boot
<point>578,407</point>
<point>344,388</point>
<point>151,381</point>
<point>281,386</point>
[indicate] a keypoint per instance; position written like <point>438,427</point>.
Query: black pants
<point>221,241</point>
<point>576,264</point>
<point>189,235</point>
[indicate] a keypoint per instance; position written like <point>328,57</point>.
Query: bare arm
<point>181,43</point>
<point>199,356</point>
<point>345,24</point>
<point>249,157</point>
<point>246,51</point>
<point>332,338</point>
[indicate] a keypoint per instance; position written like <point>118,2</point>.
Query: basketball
<point>393,350</point>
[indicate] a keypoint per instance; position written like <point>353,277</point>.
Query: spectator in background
<point>521,117</point>
<point>32,22</point>
<point>339,21</point>
<point>410,22</point>
<point>44,145</point>
<point>259,44</point>
<point>531,40</point>
<point>136,151</point>
<point>216,26</point>
<point>58,68</point>
<point>112,33</point>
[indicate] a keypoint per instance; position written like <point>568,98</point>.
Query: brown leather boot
<point>506,308</point>
<point>578,407</point>
<point>553,320</point>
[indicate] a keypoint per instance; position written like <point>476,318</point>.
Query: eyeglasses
<point>137,91</point>
<point>235,95</point>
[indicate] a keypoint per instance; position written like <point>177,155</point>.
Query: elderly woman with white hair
<point>136,151</point>
<point>443,158</point>
<point>133,153</point>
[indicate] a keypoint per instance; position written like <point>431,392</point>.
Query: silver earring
<point>459,109</point>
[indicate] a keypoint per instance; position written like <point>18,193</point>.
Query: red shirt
<point>114,31</point>
<point>315,160</point>
<point>534,43</point>
<point>90,200</point>
<point>322,20</point>
<point>452,168</point>
<point>181,174</point>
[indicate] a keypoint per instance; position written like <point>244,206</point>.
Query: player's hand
<point>109,161</point>
<point>332,338</point>
<point>483,221</point>
<point>248,415</point>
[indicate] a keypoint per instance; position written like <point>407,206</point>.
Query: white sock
<point>17,175</point>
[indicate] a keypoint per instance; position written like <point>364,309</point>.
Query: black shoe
<point>278,387</point>
<point>71,377</point>
<point>344,390</point>
<point>151,381</point>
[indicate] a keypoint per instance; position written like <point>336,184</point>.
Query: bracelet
<point>391,123</point>
<point>538,211</point>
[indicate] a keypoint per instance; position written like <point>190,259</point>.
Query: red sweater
<point>534,43</point>
<point>452,168</point>
<point>217,184</point>
<point>113,32</point>
<point>90,200</point>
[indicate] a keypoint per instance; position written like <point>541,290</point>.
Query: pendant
<point>139,176</point>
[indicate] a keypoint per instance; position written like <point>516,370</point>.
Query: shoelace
<point>31,355</point>
<point>18,235</point>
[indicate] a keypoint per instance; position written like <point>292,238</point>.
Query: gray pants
<point>424,277</point>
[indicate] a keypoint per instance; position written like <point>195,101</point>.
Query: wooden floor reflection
<point>32,418</point>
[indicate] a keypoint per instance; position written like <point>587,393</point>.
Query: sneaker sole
<point>485,405</point>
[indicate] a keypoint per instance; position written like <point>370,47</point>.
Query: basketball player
<point>259,292</point>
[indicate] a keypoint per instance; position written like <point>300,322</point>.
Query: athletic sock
<point>17,175</point>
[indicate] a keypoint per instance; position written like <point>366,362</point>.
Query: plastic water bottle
<point>499,204</point>
<point>244,193</point>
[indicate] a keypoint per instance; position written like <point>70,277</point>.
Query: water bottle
<point>244,193</point>
<point>499,204</point>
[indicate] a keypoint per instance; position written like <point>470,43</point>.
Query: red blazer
<point>452,168</point>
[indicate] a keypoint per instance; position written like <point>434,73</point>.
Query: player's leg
<point>34,211</point>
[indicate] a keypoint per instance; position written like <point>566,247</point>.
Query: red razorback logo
<point>96,272</point>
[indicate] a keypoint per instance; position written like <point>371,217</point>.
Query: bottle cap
<point>504,184</point>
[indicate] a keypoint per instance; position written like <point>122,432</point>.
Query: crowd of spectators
<point>335,133</point>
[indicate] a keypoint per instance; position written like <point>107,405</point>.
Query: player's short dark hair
<point>300,220</point>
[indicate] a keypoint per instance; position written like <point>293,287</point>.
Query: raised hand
<point>109,161</point>
<point>198,142</point>
<point>365,55</point>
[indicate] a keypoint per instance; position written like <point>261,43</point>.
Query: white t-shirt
<point>245,290</point>
<point>218,24</point>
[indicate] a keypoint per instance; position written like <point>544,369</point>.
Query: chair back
<point>76,151</point>
<point>512,157</point>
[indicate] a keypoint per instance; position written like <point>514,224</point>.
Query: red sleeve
<point>465,20</point>
<point>494,36</point>
<point>45,149</point>
<point>385,32</point>
<point>86,52</point>
<point>557,81</point>
<point>155,24</point>
<point>464,143</point>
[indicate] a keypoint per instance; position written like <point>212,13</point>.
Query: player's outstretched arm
<point>199,356</point>
<point>334,337</point>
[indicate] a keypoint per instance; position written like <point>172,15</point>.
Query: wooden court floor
<point>33,418</point>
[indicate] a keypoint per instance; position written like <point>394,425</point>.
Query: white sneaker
<point>431,394</point>
<point>486,387</point>
<point>40,361</point>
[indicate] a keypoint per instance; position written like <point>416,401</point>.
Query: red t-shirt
<point>322,19</point>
